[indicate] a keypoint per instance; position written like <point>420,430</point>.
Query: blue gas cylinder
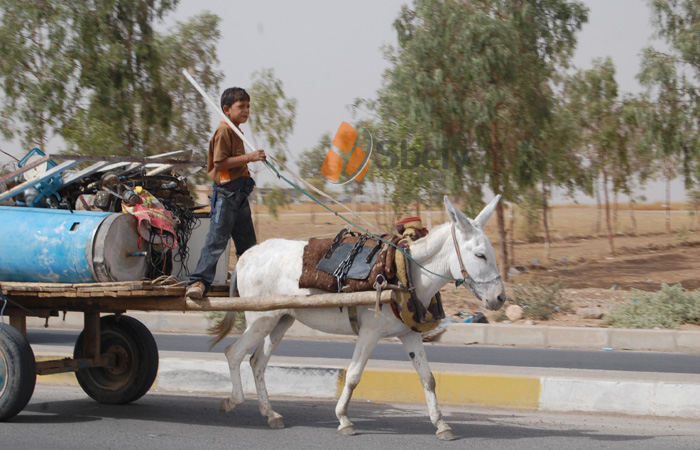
<point>59,246</point>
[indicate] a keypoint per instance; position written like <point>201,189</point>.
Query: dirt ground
<point>590,276</point>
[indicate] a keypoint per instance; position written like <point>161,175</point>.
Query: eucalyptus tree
<point>672,79</point>
<point>272,116</point>
<point>474,76</point>
<point>97,73</point>
<point>641,163</point>
<point>37,69</point>
<point>593,96</point>
<point>272,113</point>
<point>121,77</point>
<point>191,44</point>
<point>566,166</point>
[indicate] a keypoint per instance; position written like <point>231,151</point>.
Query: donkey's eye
<point>480,256</point>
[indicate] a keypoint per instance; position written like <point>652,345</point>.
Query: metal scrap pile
<point>101,186</point>
<point>115,184</point>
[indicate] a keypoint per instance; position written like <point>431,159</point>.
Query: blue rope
<point>457,281</point>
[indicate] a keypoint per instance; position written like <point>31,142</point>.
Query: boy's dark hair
<point>233,95</point>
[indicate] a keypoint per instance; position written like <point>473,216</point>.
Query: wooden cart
<point>115,357</point>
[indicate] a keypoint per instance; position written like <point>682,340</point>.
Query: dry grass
<point>304,220</point>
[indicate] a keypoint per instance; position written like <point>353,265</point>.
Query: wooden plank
<point>17,287</point>
<point>111,286</point>
<point>180,303</point>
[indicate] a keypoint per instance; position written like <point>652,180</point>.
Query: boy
<point>227,165</point>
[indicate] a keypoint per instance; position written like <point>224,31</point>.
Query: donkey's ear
<point>485,213</point>
<point>457,217</point>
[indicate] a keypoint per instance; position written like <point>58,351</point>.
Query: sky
<point>328,53</point>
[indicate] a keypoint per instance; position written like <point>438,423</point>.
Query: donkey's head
<point>474,258</point>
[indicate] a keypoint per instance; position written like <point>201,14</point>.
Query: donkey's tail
<point>223,328</point>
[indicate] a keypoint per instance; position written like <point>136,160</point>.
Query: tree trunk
<point>511,233</point>
<point>502,245</point>
<point>545,223</point>
<point>607,214</point>
<point>632,217</point>
<point>615,193</point>
<point>596,188</point>
<point>496,188</point>
<point>668,205</point>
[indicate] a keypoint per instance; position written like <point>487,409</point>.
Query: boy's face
<point>238,112</point>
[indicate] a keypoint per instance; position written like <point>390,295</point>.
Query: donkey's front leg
<point>366,341</point>
<point>413,343</point>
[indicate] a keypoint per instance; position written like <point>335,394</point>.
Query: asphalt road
<point>60,417</point>
<point>467,354</point>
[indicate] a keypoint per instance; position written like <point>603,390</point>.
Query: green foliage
<point>190,44</point>
<point>592,97</point>
<point>539,301</point>
<point>275,198</point>
<point>98,74</point>
<point>693,206</point>
<point>36,68</point>
<point>683,234</point>
<point>116,46</point>
<point>272,113</point>
<point>694,199</point>
<point>668,308</point>
<point>530,210</point>
<point>474,78</point>
<point>310,162</point>
<point>672,79</point>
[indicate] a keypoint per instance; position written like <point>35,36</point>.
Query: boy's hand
<point>258,155</point>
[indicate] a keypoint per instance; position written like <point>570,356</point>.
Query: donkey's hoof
<point>445,433</point>
<point>227,405</point>
<point>276,423</point>
<point>347,431</point>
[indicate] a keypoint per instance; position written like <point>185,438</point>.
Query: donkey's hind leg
<point>413,343</point>
<point>366,341</point>
<point>259,325</point>
<point>258,362</point>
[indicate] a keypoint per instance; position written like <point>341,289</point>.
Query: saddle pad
<point>314,278</point>
<point>359,269</point>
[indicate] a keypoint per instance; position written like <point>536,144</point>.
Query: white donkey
<point>274,267</point>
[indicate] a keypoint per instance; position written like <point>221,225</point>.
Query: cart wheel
<point>136,361</point>
<point>17,372</point>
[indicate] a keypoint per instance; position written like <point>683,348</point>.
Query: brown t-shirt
<point>223,144</point>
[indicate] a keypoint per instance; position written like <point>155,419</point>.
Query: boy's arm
<point>235,161</point>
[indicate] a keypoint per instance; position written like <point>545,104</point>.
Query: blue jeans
<point>230,218</point>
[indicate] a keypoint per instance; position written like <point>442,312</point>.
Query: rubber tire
<point>17,372</point>
<point>136,361</point>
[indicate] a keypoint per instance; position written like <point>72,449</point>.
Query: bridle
<point>465,275</point>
